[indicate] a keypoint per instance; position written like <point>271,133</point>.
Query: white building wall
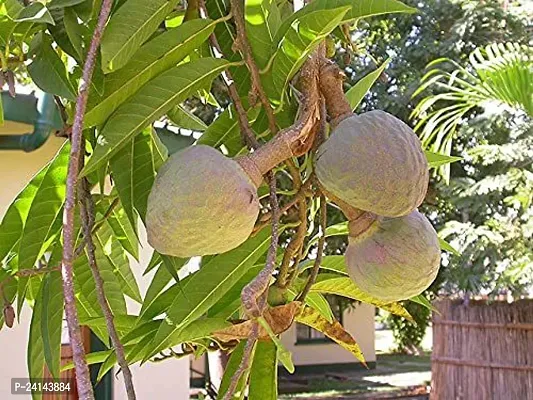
<point>168,380</point>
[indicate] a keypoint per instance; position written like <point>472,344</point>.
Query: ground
<point>395,376</point>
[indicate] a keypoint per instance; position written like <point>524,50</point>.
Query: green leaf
<point>185,119</point>
<point>129,27</point>
<point>357,9</point>
<point>155,99</point>
<point>123,322</point>
<point>262,20</point>
<point>49,73</point>
<point>330,263</point>
<point>160,280</point>
<point>15,217</point>
<point>344,286</point>
<point>35,354</point>
<point>119,263</point>
<point>264,372</point>
<point>35,13</point>
<point>423,301</point>
<point>45,206</point>
<point>224,306</point>
<point>209,284</point>
<point>151,60</point>
<point>316,301</point>
<point>284,356</point>
<point>151,308</point>
<point>225,130</point>
<point>444,245</point>
<point>300,40</point>
<point>133,172</point>
<point>358,91</point>
<point>86,300</point>
<point>231,368</point>
<point>121,226</point>
<point>51,320</point>
<point>55,4</point>
<point>339,229</point>
<point>436,160</point>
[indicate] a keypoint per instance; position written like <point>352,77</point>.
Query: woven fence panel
<point>482,351</point>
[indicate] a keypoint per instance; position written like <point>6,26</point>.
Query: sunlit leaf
<point>151,60</point>
<point>344,286</point>
<point>436,159</point>
<point>155,99</point>
<point>357,92</point>
<point>43,211</point>
<point>334,331</point>
<point>129,28</point>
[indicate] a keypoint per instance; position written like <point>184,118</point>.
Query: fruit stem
<point>358,220</point>
<point>331,80</point>
<point>294,140</point>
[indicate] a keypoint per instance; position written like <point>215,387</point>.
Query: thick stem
<point>83,380</point>
<point>331,80</point>
<point>359,221</point>
<point>293,140</point>
<point>244,45</point>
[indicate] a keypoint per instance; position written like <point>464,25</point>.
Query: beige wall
<point>168,380</point>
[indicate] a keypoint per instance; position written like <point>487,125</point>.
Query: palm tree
<point>498,77</point>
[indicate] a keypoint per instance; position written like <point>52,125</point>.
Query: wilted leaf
<point>334,331</point>
<point>279,319</point>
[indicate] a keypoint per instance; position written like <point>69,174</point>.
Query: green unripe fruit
<point>374,162</point>
<point>395,258</point>
<point>201,203</point>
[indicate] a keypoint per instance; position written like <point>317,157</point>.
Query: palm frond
<point>500,73</point>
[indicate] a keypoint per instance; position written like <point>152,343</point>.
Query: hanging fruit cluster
<point>372,166</point>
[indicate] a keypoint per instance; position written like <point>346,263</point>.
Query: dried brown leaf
<point>279,318</point>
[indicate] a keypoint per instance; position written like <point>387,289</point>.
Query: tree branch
<point>83,380</point>
<point>87,221</point>
<point>320,250</point>
<point>243,44</point>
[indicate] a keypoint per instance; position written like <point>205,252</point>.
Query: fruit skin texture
<point>398,259</point>
<point>374,162</point>
<point>201,203</point>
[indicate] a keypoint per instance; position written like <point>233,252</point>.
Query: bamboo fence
<point>483,351</point>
